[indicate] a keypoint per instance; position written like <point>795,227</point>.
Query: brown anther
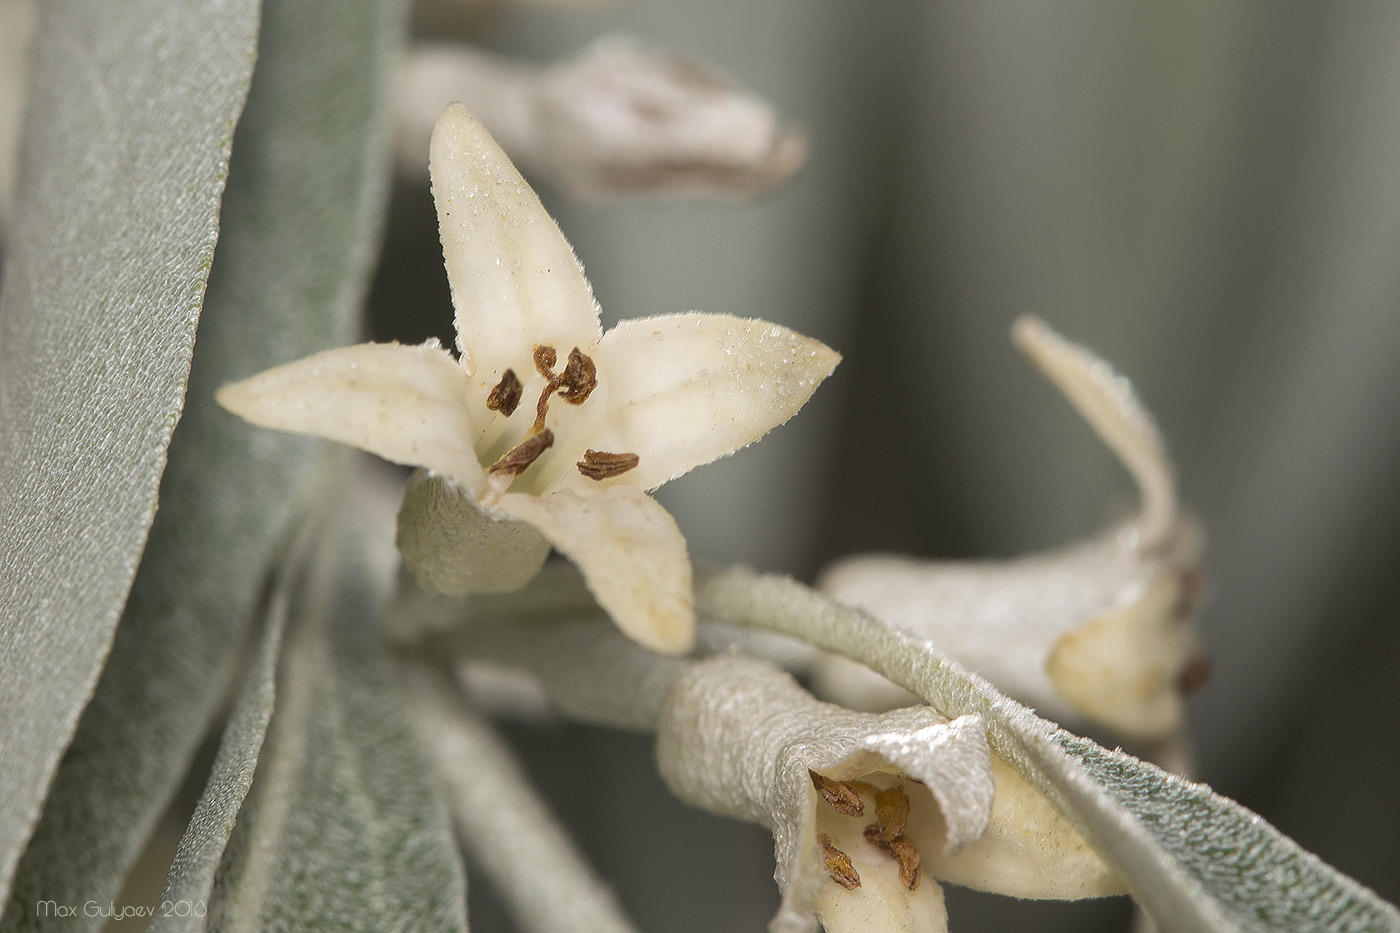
<point>900,848</point>
<point>841,797</point>
<point>838,864</point>
<point>505,397</point>
<point>892,811</point>
<point>907,854</point>
<point>1194,674</point>
<point>579,379</point>
<point>523,454</point>
<point>598,465</point>
<point>545,360</point>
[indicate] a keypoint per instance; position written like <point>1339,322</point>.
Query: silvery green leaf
<point>343,828</point>
<point>185,900</point>
<point>125,152</point>
<point>300,218</point>
<point>1195,860</point>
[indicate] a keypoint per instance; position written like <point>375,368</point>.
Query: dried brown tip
<point>892,811</point>
<point>505,397</point>
<point>598,465</point>
<point>838,864</point>
<point>523,454</point>
<point>579,379</point>
<point>1194,674</point>
<point>842,798</point>
<point>1190,583</point>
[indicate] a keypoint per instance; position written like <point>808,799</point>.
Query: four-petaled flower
<point>543,418</point>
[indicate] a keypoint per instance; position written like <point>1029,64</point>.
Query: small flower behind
<point>1101,630</point>
<point>544,425</point>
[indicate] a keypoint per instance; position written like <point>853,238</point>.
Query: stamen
<point>900,848</point>
<point>841,797</point>
<point>545,358</point>
<point>523,454</point>
<point>838,864</point>
<point>505,397</point>
<point>892,811</point>
<point>598,465</point>
<point>907,854</point>
<point>542,406</point>
<point>579,380</point>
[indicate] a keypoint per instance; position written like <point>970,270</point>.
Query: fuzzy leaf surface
<point>1196,860</point>
<point>125,152</point>
<point>343,828</point>
<point>299,224</point>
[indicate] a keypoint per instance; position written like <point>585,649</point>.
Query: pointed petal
<point>515,280</point>
<point>631,554</point>
<point>410,405</point>
<point>1108,403</point>
<point>685,389</point>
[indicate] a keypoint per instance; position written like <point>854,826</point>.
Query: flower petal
<point>686,389</point>
<point>1108,403</point>
<point>1000,618</point>
<point>1029,849</point>
<point>515,280</point>
<point>631,554</point>
<point>406,404</point>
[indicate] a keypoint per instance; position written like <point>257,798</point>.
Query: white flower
<point>544,419</point>
<point>867,811</point>
<point>619,118</point>
<point>1101,629</point>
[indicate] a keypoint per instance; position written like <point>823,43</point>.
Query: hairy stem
<point>509,831</point>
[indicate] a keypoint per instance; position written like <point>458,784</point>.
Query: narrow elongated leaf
<point>300,218</point>
<point>343,829</point>
<point>125,151</point>
<point>185,900</point>
<point>1197,861</point>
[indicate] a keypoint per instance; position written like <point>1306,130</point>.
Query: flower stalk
<point>509,831</point>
